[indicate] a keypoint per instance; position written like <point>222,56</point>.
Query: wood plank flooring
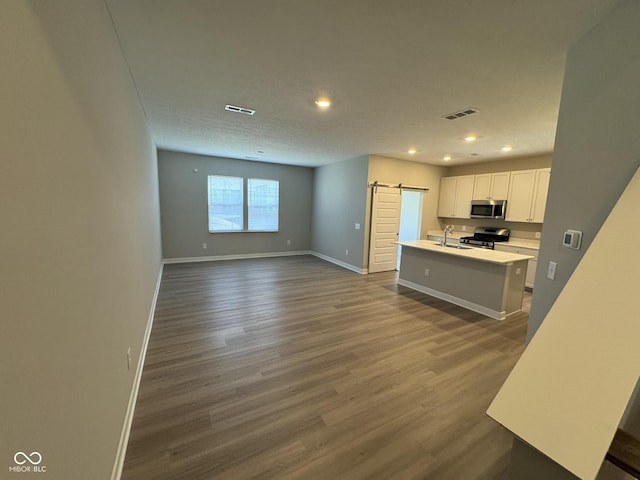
<point>294,368</point>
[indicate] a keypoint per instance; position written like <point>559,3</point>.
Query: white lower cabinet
<point>531,266</point>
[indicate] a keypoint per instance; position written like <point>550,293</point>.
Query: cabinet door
<point>540,195</point>
<point>490,186</point>
<point>482,187</point>
<point>500,185</point>
<point>464,194</point>
<point>520,196</point>
<point>447,200</point>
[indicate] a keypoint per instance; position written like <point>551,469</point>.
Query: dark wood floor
<point>294,368</point>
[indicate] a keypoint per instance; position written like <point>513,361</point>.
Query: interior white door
<point>385,226</point>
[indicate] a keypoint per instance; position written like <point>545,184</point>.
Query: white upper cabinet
<point>482,187</point>
<point>540,195</point>
<point>528,195</point>
<point>455,196</point>
<point>447,201</point>
<point>491,186</point>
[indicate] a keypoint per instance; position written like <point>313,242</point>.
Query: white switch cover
<point>551,272</point>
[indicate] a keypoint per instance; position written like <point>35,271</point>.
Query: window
<point>227,211</point>
<point>225,204</point>
<point>263,204</point>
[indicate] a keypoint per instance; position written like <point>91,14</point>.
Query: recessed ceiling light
<point>260,152</point>
<point>411,151</point>
<point>470,138</point>
<point>507,148</point>
<point>446,158</point>
<point>323,102</point>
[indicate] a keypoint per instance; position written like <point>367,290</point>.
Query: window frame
<point>245,205</point>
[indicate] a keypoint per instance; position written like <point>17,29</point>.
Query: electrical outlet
<point>551,272</point>
<point>537,234</point>
<point>426,272</point>
<point>288,242</point>
<point>346,252</point>
<point>357,225</point>
<point>129,358</point>
<point>518,271</point>
<point>204,246</point>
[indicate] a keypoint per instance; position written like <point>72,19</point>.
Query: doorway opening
<point>410,218</point>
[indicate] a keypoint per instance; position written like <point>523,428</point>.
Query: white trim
<point>215,258</point>
<point>128,419</point>
<point>244,256</point>
<point>348,266</point>
<point>455,300</point>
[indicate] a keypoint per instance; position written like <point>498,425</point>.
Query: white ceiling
<point>392,68</point>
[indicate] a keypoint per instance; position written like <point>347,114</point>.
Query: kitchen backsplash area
<point>519,230</point>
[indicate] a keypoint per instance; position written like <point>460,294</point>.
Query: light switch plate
<point>551,272</point>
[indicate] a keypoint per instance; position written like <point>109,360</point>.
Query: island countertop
<point>480,254</point>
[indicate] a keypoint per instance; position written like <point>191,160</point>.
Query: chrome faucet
<point>447,229</point>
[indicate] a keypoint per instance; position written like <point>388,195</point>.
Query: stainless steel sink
<point>449,245</point>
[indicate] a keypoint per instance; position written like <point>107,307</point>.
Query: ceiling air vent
<point>461,113</point>
<point>233,108</point>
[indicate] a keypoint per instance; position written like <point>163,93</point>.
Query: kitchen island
<point>485,281</point>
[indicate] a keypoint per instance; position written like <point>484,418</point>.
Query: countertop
<point>478,254</point>
<point>513,241</point>
<point>523,242</point>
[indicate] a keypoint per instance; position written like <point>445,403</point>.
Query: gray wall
<point>339,199</point>
<point>80,250</point>
<point>597,150</point>
<point>183,202</point>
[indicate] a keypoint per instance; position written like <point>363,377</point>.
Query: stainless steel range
<point>485,237</point>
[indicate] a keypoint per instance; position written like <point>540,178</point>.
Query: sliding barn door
<point>385,225</point>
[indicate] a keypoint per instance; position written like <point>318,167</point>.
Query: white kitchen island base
<point>485,281</point>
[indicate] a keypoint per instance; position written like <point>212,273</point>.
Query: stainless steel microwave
<point>488,208</point>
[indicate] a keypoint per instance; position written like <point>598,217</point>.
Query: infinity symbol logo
<point>34,458</point>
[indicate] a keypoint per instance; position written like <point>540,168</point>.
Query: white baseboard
<point>128,419</point>
<point>335,261</point>
<point>455,300</point>
<point>243,256</point>
<point>215,258</point>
